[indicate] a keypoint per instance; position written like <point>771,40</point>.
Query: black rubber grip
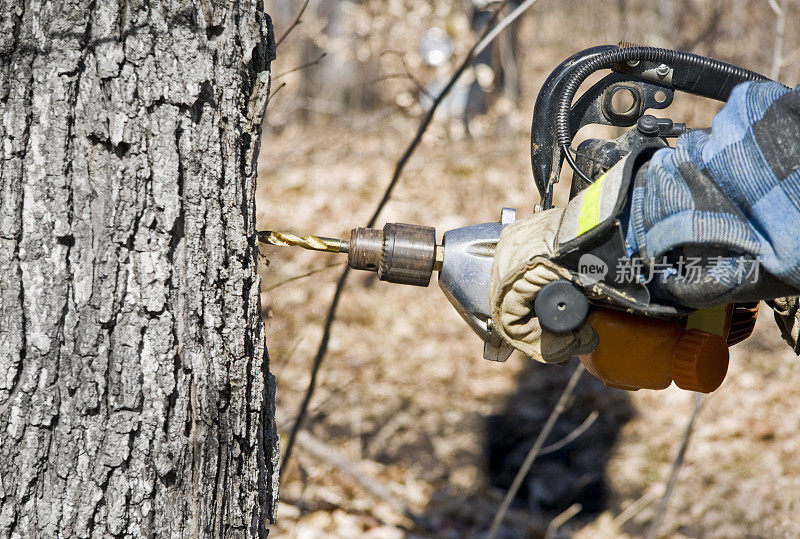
<point>560,307</point>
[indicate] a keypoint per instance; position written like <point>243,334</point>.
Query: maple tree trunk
<point>135,393</point>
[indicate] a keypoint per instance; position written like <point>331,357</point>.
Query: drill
<point>643,342</point>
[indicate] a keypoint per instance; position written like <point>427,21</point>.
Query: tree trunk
<point>135,393</point>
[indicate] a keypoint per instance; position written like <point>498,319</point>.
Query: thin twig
<point>655,491</point>
<point>303,66</point>
<point>420,87</point>
<point>303,276</point>
<point>561,519</point>
<point>287,357</point>
<point>398,170</point>
<point>502,25</point>
<point>276,90</point>
<point>676,468</point>
<point>322,451</point>
<point>423,126</point>
<point>285,424</point>
<point>559,408</point>
<point>780,30</point>
<point>588,422</point>
<point>312,384</point>
<point>791,58</point>
<point>636,507</point>
<point>292,26</point>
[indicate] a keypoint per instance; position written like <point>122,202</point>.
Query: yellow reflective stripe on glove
<point>593,205</point>
<point>589,214</point>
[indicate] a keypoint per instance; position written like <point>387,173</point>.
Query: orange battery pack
<point>637,352</point>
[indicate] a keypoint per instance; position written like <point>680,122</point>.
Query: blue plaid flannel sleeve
<point>730,199</point>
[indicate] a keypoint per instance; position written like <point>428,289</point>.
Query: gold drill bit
<point>314,243</point>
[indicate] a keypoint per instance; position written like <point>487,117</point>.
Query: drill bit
<point>314,243</point>
<point>400,253</point>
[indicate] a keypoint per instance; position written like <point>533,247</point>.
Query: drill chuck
<point>400,253</point>
<point>366,249</point>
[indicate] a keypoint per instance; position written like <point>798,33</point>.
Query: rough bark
<point>135,393</point>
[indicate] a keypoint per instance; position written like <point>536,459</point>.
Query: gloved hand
<point>787,316</point>
<point>521,268</point>
<point>731,194</point>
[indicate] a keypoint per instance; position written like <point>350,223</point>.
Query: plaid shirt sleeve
<point>730,198</point>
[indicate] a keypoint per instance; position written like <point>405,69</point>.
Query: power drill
<point>408,254</point>
<point>643,343</point>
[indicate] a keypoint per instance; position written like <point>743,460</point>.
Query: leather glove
<point>787,316</point>
<point>521,268</point>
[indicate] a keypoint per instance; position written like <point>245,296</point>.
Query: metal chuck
<point>400,253</point>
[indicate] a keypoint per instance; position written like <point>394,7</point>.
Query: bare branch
<point>780,31</point>
<point>303,66</point>
<point>559,408</point>
<point>312,384</point>
<point>559,521</point>
<point>676,468</point>
<point>636,507</point>
<point>655,491</point>
<point>420,87</point>
<point>286,358</point>
<point>409,76</point>
<point>791,58</point>
<point>319,449</point>
<point>303,276</point>
<point>418,84</point>
<point>398,171</point>
<point>502,25</point>
<point>566,440</point>
<point>293,25</point>
<point>276,90</point>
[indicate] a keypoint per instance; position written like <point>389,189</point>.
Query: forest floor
<point>405,396</point>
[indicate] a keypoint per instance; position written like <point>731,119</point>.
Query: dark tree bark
<point>135,393</point>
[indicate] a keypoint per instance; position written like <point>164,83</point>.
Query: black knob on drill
<point>560,307</point>
<point>651,126</point>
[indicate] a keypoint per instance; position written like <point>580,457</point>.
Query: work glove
<point>521,268</point>
<point>787,316</point>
